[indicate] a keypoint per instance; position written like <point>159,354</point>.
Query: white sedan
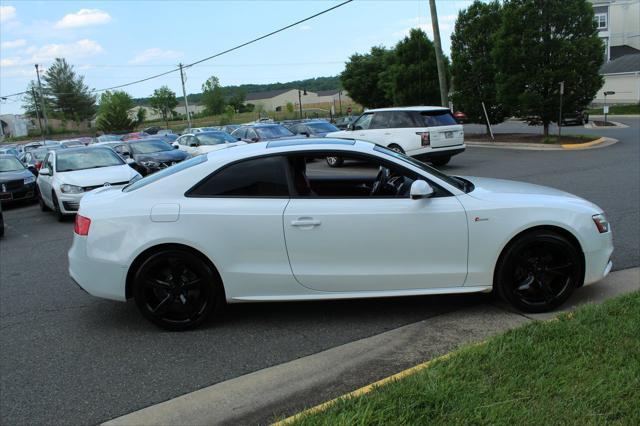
<point>263,222</point>
<point>204,142</point>
<point>67,175</point>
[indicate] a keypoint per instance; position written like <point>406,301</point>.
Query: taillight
<point>425,138</point>
<point>82,225</point>
<point>38,165</point>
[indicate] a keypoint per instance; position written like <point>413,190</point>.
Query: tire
<point>538,271</point>
<point>440,161</point>
<point>56,207</point>
<point>176,290</point>
<point>335,161</point>
<point>43,206</point>
<point>396,148</point>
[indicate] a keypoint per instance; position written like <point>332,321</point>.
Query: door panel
<point>369,244</point>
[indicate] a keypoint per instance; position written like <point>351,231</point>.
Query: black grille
<point>89,188</point>
<point>13,184</point>
<point>71,205</point>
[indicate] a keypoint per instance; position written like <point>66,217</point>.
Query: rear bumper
<point>96,277</point>
<point>437,152</point>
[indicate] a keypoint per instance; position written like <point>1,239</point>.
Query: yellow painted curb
<point>366,389</point>
<point>583,145</point>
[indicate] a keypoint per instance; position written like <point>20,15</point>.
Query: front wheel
<point>538,272</point>
<point>176,290</point>
<point>440,161</point>
<point>43,206</point>
<point>56,207</point>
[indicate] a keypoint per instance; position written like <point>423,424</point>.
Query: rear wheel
<point>440,161</point>
<point>335,161</point>
<point>396,148</point>
<point>176,290</point>
<point>538,272</point>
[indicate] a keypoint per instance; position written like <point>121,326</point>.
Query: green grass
<point>582,369</point>
<point>617,109</point>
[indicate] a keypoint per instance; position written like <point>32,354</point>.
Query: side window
<point>258,177</point>
<point>182,140</point>
<point>363,122</point>
<point>27,157</point>
<point>48,162</point>
<point>240,133</point>
<point>251,134</point>
<point>381,120</point>
<point>401,120</point>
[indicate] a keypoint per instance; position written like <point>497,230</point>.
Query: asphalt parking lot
<point>69,358</point>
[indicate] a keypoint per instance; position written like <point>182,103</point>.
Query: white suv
<point>424,132</point>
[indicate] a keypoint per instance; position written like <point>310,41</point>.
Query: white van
<point>425,132</point>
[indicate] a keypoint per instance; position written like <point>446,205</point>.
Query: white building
<point>12,125</point>
<point>618,24</point>
<point>621,76</point>
<point>277,100</point>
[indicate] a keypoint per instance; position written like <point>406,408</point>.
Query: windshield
<point>272,132</point>
<point>109,138</point>
<point>322,127</point>
<point>455,182</point>
<point>10,164</point>
<point>73,143</point>
<point>39,155</point>
<point>87,159</point>
<point>165,172</point>
<point>215,138</point>
<point>147,147</point>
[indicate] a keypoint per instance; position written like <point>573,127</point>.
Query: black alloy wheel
<point>176,290</point>
<point>539,272</point>
<point>396,148</point>
<point>56,207</point>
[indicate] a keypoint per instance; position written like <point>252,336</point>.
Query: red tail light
<point>82,225</point>
<point>38,165</point>
<point>425,138</point>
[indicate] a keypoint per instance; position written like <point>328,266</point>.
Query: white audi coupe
<point>272,222</point>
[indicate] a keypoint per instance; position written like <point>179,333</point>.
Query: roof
<point>265,95</point>
<point>410,108</point>
<point>626,63</point>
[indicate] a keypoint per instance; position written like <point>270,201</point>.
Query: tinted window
<point>214,138</point>
<point>381,120</point>
<point>239,133</point>
<point>259,177</point>
<point>149,146</point>
<point>435,118</point>
<point>273,132</point>
<point>363,122</point>
<point>165,172</point>
<point>320,127</point>
<point>401,119</point>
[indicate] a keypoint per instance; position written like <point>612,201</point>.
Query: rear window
<point>435,118</point>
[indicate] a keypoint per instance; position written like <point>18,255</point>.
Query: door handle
<point>305,222</point>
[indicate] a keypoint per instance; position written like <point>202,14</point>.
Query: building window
<point>601,20</point>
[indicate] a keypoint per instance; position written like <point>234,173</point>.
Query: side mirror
<point>305,134</point>
<point>32,169</point>
<point>239,139</point>
<point>130,161</point>
<point>420,189</point>
<point>176,147</point>
<point>350,126</point>
<point>193,145</point>
<point>254,139</point>
<point>45,172</point>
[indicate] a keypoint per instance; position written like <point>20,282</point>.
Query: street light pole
<point>300,103</point>
<point>560,117</point>
<point>186,102</point>
<point>44,107</point>
<point>35,100</point>
<point>442,77</point>
<point>340,101</point>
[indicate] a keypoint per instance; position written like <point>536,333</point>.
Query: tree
<point>236,98</point>
<point>213,96</point>
<point>113,112</point>
<point>66,92</point>
<point>141,115</point>
<point>474,69</point>
<point>164,101</point>
<point>289,107</point>
<point>412,76</point>
<point>30,103</point>
<point>364,77</point>
<point>540,44</point>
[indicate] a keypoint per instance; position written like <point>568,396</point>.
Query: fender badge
<point>480,219</point>
<point>106,184</point>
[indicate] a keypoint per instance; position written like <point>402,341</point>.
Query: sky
<point>116,42</point>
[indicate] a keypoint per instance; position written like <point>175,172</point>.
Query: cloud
<point>10,62</point>
<point>154,54</point>
<point>79,49</point>
<point>12,44</point>
<point>7,13</point>
<point>84,18</point>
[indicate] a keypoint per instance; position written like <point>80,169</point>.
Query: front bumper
<point>26,192</point>
<point>97,277</point>
<point>70,203</point>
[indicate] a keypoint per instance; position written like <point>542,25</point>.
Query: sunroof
<point>312,141</point>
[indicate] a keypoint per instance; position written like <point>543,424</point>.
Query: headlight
<point>135,178</point>
<point>29,179</point>
<point>601,223</point>
<point>71,189</point>
<point>150,164</point>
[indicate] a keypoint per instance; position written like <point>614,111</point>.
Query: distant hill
<point>311,84</point>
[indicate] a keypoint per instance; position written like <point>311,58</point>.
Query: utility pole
<point>300,103</point>
<point>340,101</point>
<point>442,76</point>
<point>560,116</point>
<point>35,100</point>
<point>44,107</point>
<point>184,94</point>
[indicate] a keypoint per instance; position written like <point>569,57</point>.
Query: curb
<point>616,125</point>
<point>596,143</point>
<point>369,388</point>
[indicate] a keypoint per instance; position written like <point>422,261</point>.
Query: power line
<point>212,56</point>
